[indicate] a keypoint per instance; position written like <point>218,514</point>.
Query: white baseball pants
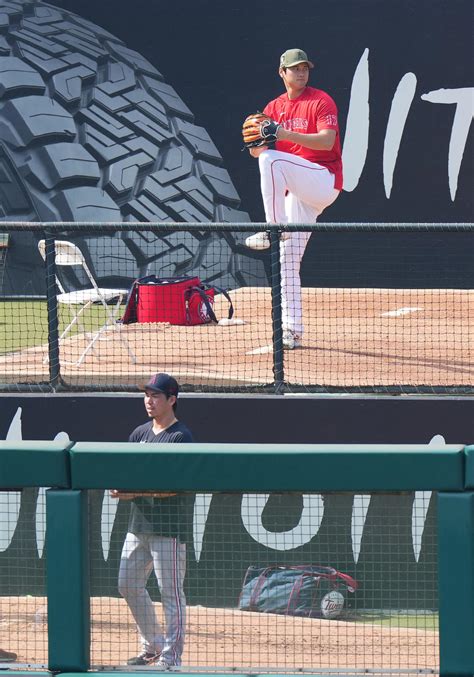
<point>167,557</point>
<point>294,190</point>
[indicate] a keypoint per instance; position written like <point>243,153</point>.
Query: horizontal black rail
<point>61,226</point>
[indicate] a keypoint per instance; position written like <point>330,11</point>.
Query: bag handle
<point>332,575</point>
<point>258,586</point>
<point>348,580</point>
<point>130,313</point>
<point>295,593</point>
<point>220,290</point>
<point>202,293</point>
<point>204,299</point>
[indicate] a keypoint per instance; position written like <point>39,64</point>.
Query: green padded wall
<point>456,587</point>
<point>267,467</point>
<point>469,470</point>
<point>67,580</point>
<point>34,464</point>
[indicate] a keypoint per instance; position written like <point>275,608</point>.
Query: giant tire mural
<point>90,131</point>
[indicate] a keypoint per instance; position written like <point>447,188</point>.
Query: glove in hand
<point>259,130</point>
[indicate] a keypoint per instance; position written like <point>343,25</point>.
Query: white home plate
<point>400,311</point>
<point>263,350</point>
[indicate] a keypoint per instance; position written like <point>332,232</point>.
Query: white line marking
<point>263,350</point>
<point>400,311</point>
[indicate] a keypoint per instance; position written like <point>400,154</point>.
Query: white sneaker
<point>259,241</point>
<point>291,339</point>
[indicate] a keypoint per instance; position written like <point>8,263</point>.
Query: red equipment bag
<point>177,300</point>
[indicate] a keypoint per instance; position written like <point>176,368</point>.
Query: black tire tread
<point>70,87</point>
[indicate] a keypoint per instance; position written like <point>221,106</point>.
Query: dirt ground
<point>229,639</point>
<point>353,338</point>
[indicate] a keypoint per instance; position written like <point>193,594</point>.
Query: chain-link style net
<point>369,308</point>
<point>23,604</point>
<point>283,582</point>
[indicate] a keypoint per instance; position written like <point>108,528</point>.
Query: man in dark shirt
<point>156,539</point>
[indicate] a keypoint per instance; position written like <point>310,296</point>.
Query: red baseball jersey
<point>311,112</point>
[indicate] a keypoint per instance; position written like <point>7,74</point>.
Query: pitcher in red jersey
<point>300,176</point>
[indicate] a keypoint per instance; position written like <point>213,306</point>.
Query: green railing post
<point>67,580</point>
<point>456,583</point>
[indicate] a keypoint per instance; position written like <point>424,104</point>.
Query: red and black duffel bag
<point>176,300</point>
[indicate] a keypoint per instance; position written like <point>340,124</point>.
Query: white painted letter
<point>464,100</point>
<point>10,501</point>
<point>41,505</point>
<point>421,503</point>
<point>202,503</point>
<point>356,139</point>
<point>360,507</point>
<point>396,124</point>
<point>107,521</point>
<point>308,526</point>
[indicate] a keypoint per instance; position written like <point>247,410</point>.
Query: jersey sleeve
<point>181,434</point>
<point>137,435</point>
<point>270,110</point>
<point>326,115</point>
<point>185,436</point>
<point>134,436</point>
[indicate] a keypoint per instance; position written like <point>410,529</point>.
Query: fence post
<point>456,583</point>
<point>52,305</point>
<point>277,330</point>
<point>67,580</point>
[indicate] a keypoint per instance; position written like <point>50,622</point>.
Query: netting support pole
<point>67,580</point>
<point>456,583</point>
<point>52,305</point>
<point>277,330</point>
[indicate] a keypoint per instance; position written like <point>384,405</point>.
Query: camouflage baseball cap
<point>292,57</point>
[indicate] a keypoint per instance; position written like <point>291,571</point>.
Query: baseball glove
<point>130,495</point>
<point>259,130</point>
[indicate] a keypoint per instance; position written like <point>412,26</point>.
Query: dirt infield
<point>353,338</point>
<point>228,639</point>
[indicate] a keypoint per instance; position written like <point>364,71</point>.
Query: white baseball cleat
<point>162,664</point>
<point>291,339</point>
<point>261,241</point>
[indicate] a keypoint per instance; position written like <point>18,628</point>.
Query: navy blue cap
<point>163,383</point>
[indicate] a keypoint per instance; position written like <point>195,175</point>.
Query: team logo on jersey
<point>296,124</point>
<point>331,120</point>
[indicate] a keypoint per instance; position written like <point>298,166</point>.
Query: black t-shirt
<point>171,516</point>
<point>177,432</point>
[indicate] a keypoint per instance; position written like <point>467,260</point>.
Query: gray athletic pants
<point>167,557</point>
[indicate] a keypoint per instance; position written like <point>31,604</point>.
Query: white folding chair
<point>68,254</point>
